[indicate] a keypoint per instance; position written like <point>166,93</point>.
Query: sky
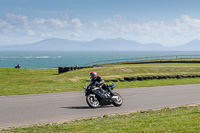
<point>168,22</point>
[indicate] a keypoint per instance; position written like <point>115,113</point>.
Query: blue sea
<point>54,59</point>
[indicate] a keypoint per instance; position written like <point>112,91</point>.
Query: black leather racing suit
<point>98,82</point>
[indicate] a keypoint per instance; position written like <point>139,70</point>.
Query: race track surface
<point>22,110</point>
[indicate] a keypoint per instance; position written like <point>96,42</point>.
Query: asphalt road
<point>22,110</point>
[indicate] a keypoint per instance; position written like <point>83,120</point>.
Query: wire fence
<point>142,59</point>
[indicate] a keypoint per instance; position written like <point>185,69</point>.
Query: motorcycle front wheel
<point>117,101</point>
<point>92,101</point>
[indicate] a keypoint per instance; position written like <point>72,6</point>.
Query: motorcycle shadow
<point>85,107</point>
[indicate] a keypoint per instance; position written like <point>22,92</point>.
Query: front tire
<point>117,101</point>
<point>92,101</point>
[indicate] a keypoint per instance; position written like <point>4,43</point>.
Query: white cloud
<point>174,32</point>
<point>77,22</point>
<point>3,24</point>
<point>31,32</point>
<point>19,25</point>
<point>191,22</point>
<point>95,25</point>
<point>50,23</point>
<point>21,21</point>
<point>108,21</point>
<point>177,31</point>
<point>119,17</point>
<point>39,21</point>
<point>16,20</point>
<point>46,35</point>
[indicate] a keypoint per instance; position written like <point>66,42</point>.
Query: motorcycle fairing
<point>99,92</point>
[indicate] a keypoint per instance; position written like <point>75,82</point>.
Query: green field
<point>34,81</point>
<point>181,119</point>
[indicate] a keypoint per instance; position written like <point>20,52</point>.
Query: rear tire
<point>92,101</point>
<point>117,102</point>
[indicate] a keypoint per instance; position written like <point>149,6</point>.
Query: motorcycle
<point>96,96</point>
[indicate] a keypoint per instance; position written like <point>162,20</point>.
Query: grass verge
<point>180,119</point>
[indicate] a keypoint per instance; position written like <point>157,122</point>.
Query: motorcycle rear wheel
<point>92,101</point>
<point>117,102</point>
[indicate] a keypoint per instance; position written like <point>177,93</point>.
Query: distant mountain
<point>190,46</point>
<point>48,44</point>
<point>117,44</point>
<point>113,44</point>
<point>98,44</point>
<point>123,45</point>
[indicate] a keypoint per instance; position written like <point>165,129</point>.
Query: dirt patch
<point>74,80</point>
<point>126,70</point>
<point>113,76</point>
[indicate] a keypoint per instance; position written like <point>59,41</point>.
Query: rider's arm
<point>101,81</point>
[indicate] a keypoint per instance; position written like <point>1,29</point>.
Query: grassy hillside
<point>34,81</point>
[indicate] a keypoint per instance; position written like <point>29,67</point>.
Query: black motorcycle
<point>96,96</point>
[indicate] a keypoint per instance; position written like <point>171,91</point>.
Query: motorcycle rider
<point>95,79</point>
<point>98,81</point>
